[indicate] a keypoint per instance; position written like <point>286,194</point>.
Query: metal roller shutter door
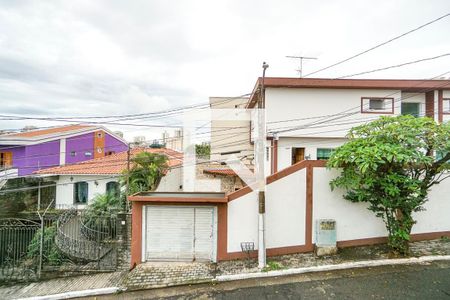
<point>183,233</point>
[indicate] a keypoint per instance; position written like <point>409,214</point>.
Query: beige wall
<point>229,136</point>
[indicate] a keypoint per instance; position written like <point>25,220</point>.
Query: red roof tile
<point>54,130</point>
<point>225,172</point>
<point>111,164</point>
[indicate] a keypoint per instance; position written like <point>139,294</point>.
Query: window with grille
<point>412,109</point>
<point>377,105</point>
<point>80,192</point>
<point>324,153</point>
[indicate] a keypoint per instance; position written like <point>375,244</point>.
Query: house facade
<point>78,184</point>
<point>23,153</point>
<point>307,118</point>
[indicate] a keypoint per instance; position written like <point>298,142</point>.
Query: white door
<point>184,233</point>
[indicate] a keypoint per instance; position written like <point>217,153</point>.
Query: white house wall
<point>242,223</point>
<point>286,211</point>
<point>306,104</point>
<point>171,182</point>
<point>286,144</point>
<point>65,187</point>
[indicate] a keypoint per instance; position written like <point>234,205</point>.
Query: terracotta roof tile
<point>54,130</point>
<point>111,164</point>
<point>226,172</point>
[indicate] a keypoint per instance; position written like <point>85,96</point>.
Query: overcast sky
<point>70,58</point>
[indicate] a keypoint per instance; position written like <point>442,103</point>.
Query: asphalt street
<point>425,281</point>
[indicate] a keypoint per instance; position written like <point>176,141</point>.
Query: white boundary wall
<point>242,224</point>
<point>285,215</point>
<point>286,211</point>
<point>355,221</point>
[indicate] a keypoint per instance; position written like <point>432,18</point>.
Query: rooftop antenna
<point>301,58</point>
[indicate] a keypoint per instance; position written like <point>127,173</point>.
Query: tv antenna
<point>301,58</point>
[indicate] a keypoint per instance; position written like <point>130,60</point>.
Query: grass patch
<point>272,266</point>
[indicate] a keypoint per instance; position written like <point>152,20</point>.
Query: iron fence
<point>70,242</point>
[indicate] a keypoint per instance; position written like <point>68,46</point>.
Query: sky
<point>97,58</point>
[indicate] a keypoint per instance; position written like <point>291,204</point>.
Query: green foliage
<point>389,164</point>
<point>12,203</point>
<point>51,254</point>
<point>146,172</point>
<point>272,266</point>
<point>203,150</point>
<point>104,205</point>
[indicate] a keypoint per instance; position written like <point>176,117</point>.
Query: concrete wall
<point>228,136</point>
<point>171,182</point>
<point>242,223</point>
<point>355,221</point>
<point>286,211</point>
<point>286,214</point>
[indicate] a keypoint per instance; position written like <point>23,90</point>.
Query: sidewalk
<point>62,285</point>
<point>357,257</point>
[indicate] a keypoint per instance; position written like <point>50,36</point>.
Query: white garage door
<point>184,233</point>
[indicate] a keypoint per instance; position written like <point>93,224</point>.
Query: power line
<point>378,45</point>
<point>395,66</point>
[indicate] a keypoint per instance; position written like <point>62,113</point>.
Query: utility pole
<point>261,177</point>
<point>301,58</point>
<point>127,190</point>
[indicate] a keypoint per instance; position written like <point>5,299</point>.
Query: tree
<point>146,172</point>
<point>203,150</point>
<point>390,163</point>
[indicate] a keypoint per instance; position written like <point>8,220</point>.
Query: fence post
<point>41,247</point>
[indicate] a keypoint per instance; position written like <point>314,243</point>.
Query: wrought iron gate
<point>16,262</point>
<point>73,243</point>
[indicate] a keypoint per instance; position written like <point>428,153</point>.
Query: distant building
<point>23,153</point>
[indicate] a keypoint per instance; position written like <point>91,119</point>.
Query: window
<point>73,153</point>
<point>5,159</point>
<point>88,153</point>
<point>110,153</point>
<point>324,153</point>
<point>446,106</point>
<point>113,188</point>
<point>80,192</point>
<point>410,108</point>
<point>377,105</point>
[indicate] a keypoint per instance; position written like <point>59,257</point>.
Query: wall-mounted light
<point>96,183</point>
<point>71,178</point>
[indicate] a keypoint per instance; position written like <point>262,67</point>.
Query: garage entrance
<point>179,233</point>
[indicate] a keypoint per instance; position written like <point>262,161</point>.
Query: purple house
<point>23,153</point>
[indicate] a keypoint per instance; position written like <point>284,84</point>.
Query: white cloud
<point>114,57</point>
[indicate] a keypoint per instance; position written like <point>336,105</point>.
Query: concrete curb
<point>343,266</point>
<point>76,294</point>
<point>295,271</point>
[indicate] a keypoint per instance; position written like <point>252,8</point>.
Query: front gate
<point>17,263</point>
<point>72,244</point>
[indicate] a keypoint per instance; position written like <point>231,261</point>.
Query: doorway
<point>298,154</point>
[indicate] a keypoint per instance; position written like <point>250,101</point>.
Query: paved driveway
<point>430,281</point>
